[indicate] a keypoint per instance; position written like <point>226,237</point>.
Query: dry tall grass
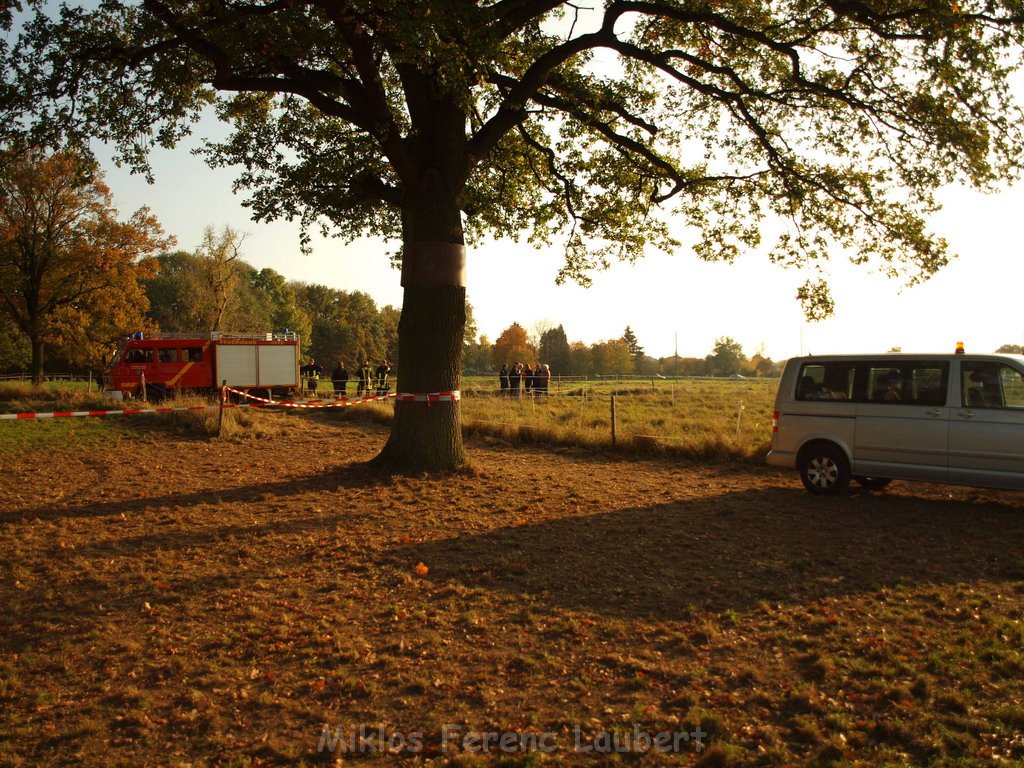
<point>704,419</point>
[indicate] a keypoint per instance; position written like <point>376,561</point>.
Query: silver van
<point>953,418</point>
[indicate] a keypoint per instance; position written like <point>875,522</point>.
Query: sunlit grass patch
<point>707,420</point>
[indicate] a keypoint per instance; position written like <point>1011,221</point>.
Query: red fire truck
<point>265,363</point>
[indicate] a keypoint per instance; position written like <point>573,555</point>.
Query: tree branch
<point>383,125</point>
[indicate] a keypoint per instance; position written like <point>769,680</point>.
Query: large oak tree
<point>431,121</point>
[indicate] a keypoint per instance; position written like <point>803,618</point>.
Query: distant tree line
<point>214,289</point>
<point>623,356</point>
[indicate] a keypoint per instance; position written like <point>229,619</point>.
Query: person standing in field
<point>365,378</point>
<point>544,378</point>
<point>312,372</point>
<point>361,379</point>
<point>340,378</point>
<point>382,378</point>
<point>514,376</point>
<point>503,379</point>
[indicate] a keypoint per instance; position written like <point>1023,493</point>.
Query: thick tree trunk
<point>427,436</point>
<point>38,359</point>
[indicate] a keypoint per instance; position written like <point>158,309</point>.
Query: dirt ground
<point>172,600</point>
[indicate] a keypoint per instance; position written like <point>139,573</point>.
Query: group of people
<point>517,379</point>
<point>369,380</point>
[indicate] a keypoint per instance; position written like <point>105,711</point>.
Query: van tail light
<point>775,421</point>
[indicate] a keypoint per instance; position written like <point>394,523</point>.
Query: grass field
<point>696,418</point>
<point>172,599</point>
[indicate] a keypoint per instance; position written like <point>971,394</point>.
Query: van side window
<point>139,356</point>
<point>192,354</point>
<point>991,385</point>
<point>884,385</point>
<point>167,355</point>
<point>928,384</point>
<point>825,381</point>
<point>904,383</point>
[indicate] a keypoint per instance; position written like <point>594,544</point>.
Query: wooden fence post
<point>223,399</point>
<point>613,421</point>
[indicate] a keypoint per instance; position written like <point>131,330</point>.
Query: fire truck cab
<point>162,363</point>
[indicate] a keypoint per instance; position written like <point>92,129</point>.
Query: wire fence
<point>698,416</point>
<point>53,377</point>
<point>582,386</point>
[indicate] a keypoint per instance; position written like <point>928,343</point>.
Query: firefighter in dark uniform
<point>382,378</point>
<point>365,377</point>
<point>312,372</point>
<point>340,378</point>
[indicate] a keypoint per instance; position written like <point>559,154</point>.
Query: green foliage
<point>470,331</point>
<point>15,351</point>
<point>476,356</point>
<point>554,349</point>
<point>726,358</point>
<point>581,359</point>
<point>332,324</point>
<point>612,357</point>
<point>346,326</point>
<point>839,118</point>
<point>183,298</point>
<point>635,350</point>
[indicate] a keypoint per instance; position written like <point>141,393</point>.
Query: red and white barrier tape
<point>429,398</point>
<point>405,397</point>
<point>123,412</point>
<point>312,404</point>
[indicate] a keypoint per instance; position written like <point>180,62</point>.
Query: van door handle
<point>966,414</point>
<point>934,412</point>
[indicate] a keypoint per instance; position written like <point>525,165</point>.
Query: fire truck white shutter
<point>237,364</point>
<point>278,365</point>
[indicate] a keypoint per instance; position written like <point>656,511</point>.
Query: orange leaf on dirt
<point>421,569</point>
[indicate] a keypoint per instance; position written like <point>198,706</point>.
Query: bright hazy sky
<point>977,298</point>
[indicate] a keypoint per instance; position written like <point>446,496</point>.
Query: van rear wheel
<point>824,469</point>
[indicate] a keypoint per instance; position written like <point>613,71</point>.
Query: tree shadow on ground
<point>732,552</point>
<point>355,475</point>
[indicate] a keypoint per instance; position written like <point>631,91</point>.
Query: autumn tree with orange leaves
<point>513,346</point>
<point>69,269</point>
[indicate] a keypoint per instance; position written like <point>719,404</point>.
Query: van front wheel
<point>824,469</point>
